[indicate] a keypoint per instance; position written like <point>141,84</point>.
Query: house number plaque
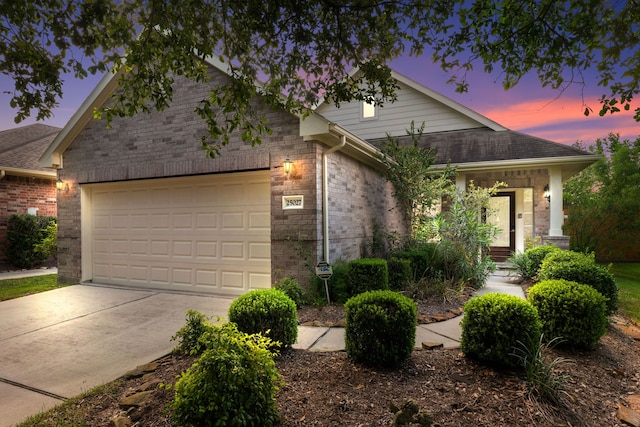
<point>292,202</point>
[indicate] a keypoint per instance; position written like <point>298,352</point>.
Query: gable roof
<point>21,148</point>
<point>485,149</point>
<point>465,117</point>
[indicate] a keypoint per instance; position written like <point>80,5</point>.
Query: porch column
<point>461,181</point>
<point>556,215</point>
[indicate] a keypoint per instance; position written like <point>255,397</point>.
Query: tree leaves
<point>303,52</point>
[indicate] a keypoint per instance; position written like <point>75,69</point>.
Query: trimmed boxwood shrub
<point>573,312</point>
<point>494,324</point>
<point>233,383</point>
<point>266,311</point>
<point>292,289</point>
<point>537,254</point>
<point>24,232</point>
<point>367,274</point>
<point>581,268</point>
<point>399,273</point>
<point>380,328</point>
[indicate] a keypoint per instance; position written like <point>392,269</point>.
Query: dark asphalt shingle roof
<point>487,145</point>
<point>21,147</point>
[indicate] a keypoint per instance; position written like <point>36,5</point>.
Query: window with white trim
<point>368,111</point>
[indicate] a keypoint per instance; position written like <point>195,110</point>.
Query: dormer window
<point>368,111</point>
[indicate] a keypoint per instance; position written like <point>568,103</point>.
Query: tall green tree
<point>418,187</point>
<point>603,201</point>
<point>300,50</point>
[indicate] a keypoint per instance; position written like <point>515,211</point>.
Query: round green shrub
<point>367,274</point>
<point>233,383</point>
<point>581,268</point>
<point>292,289</point>
<point>573,312</point>
<point>494,324</point>
<point>380,328</point>
<point>537,254</point>
<point>266,311</point>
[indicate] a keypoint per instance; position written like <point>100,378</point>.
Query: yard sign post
<point>324,271</point>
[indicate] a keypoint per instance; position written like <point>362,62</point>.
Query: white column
<point>461,181</point>
<point>556,215</point>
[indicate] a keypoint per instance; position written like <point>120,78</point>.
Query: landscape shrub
<point>233,383</point>
<point>189,336</point>
<point>48,246</point>
<point>24,232</point>
<point>571,311</point>
<point>537,254</point>
<point>399,273</point>
<point>523,265</point>
<point>581,268</point>
<point>494,325</point>
<point>424,259</point>
<point>292,289</point>
<point>266,311</point>
<point>380,328</point>
<point>367,274</point>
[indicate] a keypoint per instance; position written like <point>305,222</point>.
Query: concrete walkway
<point>20,274</point>
<point>446,333</point>
<point>60,343</point>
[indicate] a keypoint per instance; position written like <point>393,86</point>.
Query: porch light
<point>61,185</point>
<point>287,165</point>
<point>547,193</point>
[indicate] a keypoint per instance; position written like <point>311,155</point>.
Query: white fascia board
<point>52,157</point>
<point>29,173</point>
<point>569,164</point>
<point>316,127</point>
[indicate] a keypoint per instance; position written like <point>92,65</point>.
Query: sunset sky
<point>527,108</point>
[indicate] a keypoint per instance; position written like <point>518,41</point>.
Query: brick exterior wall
<point>17,195</point>
<point>360,200</point>
<point>166,144</point>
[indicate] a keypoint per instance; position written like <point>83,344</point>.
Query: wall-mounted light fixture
<point>61,185</point>
<point>287,165</point>
<point>547,193</point>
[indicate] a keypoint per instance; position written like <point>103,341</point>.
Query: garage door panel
<point>208,234</point>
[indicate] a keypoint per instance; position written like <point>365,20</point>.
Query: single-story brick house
<point>146,208</point>
<point>25,186</point>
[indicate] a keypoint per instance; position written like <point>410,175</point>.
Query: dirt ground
<point>327,389</point>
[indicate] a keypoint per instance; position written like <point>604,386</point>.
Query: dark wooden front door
<point>503,215</point>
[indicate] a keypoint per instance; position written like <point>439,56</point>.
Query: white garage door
<point>208,233</point>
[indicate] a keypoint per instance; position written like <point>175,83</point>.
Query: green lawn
<point>628,281</point>
<point>15,288</point>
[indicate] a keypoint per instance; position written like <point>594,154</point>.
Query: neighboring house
<point>25,186</point>
<point>145,207</point>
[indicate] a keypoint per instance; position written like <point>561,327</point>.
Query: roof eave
<point>570,164</point>
<point>29,173</point>
<point>316,128</point>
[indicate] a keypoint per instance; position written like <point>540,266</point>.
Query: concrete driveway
<point>60,343</point>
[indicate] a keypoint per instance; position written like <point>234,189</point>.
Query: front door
<point>502,214</point>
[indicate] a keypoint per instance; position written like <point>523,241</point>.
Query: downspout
<point>3,173</point>
<point>325,196</point>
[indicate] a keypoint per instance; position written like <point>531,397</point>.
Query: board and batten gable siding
<point>395,118</point>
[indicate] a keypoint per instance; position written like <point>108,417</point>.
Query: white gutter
<point>325,196</point>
